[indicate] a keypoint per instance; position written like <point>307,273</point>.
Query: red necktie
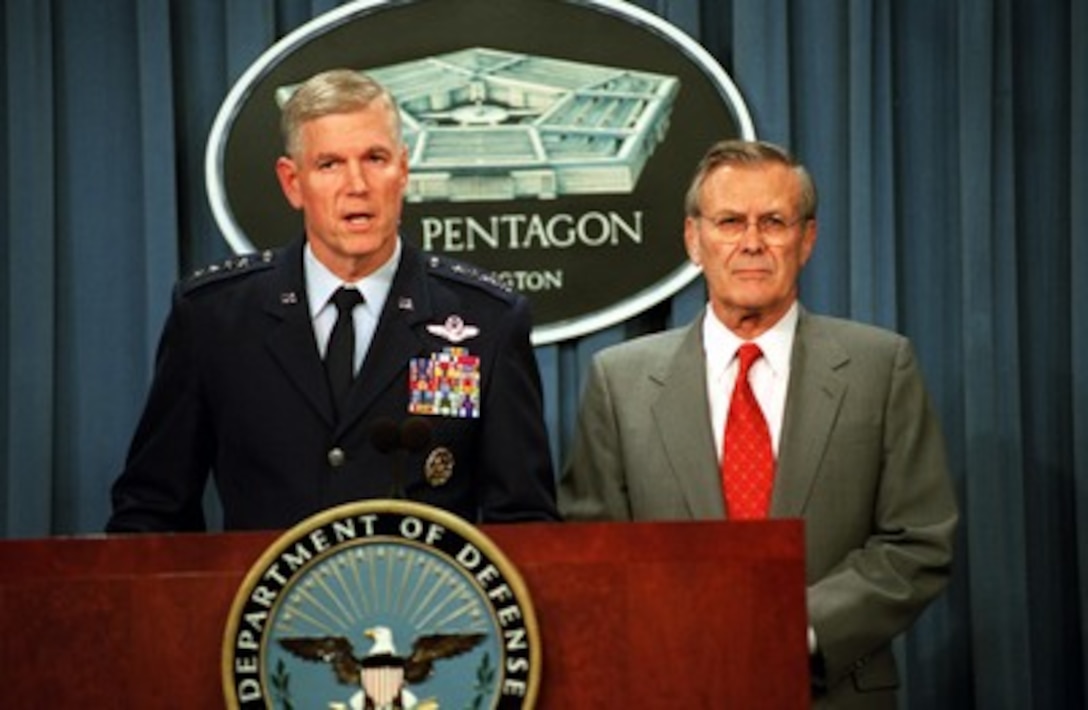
<point>747,459</point>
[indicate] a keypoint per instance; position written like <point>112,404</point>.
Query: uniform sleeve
<point>518,481</point>
<point>162,485</point>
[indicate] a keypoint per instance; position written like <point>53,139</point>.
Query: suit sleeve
<point>592,486</point>
<point>162,485</point>
<point>518,476</point>
<point>880,587</point>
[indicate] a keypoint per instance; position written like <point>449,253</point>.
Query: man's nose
<point>751,239</point>
<point>356,175</point>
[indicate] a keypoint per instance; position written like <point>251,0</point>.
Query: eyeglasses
<point>773,228</point>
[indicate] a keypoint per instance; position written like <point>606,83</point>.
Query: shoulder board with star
<point>229,268</point>
<point>468,274</point>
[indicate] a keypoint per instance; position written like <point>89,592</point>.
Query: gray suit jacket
<point>861,461</point>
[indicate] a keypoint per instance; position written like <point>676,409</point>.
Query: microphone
<point>415,434</point>
<point>412,435</point>
<point>384,435</point>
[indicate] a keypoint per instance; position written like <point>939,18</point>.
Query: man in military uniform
<point>241,385</point>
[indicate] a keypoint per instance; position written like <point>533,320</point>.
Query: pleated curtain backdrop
<point>948,140</point>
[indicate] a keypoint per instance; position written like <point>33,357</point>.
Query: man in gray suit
<point>855,449</point>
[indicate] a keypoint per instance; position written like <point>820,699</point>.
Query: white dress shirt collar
<point>721,344</point>
<point>322,283</point>
<point>769,376</point>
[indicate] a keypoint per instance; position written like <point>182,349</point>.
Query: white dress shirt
<point>321,284</point>
<point>769,375</point>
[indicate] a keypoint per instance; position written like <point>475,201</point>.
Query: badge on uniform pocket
<point>438,468</point>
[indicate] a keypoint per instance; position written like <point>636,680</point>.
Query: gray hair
<point>330,92</point>
<point>743,152</point>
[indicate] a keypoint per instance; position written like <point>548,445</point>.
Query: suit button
<point>336,457</point>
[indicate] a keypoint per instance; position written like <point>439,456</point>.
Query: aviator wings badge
<point>455,330</point>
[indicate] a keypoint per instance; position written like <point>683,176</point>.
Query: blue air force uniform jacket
<point>240,392</point>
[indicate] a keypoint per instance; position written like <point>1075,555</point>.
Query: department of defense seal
<point>382,604</point>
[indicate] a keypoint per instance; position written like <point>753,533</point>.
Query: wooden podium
<point>632,615</point>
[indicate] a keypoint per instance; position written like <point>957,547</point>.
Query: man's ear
<point>808,240</point>
<point>404,166</point>
<point>691,240</point>
<point>287,174</point>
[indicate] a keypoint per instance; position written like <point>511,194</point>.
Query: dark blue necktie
<point>340,354</point>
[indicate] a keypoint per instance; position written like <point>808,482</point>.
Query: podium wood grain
<point>632,615</point>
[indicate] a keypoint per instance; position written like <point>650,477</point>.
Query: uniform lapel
<point>396,339</point>
<point>813,401</point>
<point>682,414</point>
<point>291,335</point>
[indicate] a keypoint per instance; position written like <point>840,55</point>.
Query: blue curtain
<point>949,140</point>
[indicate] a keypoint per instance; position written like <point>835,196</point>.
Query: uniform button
<point>336,457</point>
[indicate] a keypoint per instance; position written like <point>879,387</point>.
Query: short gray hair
<point>745,152</point>
<point>333,91</point>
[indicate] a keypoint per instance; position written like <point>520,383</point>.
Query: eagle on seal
<point>417,667</point>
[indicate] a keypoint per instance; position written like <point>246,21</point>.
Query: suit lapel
<point>813,401</point>
<point>291,336</point>
<point>687,440</point>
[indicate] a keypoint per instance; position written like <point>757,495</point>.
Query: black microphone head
<point>415,433</point>
<point>384,435</point>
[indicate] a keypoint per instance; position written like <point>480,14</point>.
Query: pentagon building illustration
<point>483,124</point>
